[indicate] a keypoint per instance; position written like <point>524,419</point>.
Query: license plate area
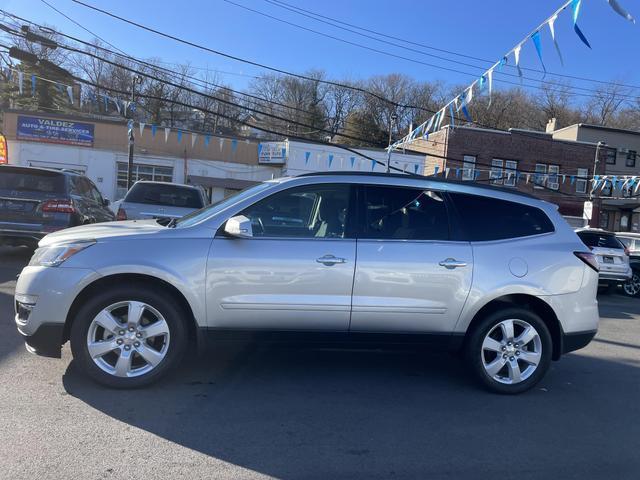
<point>607,259</point>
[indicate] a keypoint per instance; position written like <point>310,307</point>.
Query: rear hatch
<point>608,250</point>
<point>160,201</point>
<point>23,191</point>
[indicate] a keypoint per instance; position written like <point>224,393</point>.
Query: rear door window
<point>403,213</point>
<point>485,218</point>
<point>166,195</point>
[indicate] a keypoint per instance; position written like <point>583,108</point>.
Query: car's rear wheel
<point>129,336</point>
<point>509,351</point>
<point>631,287</point>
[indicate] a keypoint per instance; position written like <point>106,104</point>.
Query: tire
<point>484,359</point>
<point>631,288</point>
<point>141,355</point>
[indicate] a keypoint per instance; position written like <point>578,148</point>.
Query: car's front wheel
<point>128,336</point>
<point>509,351</point>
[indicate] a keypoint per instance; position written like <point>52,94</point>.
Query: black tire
<point>634,279</point>
<point>474,352</point>
<point>160,300</point>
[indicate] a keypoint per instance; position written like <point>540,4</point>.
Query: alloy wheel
<point>128,339</point>
<point>632,286</point>
<point>511,351</point>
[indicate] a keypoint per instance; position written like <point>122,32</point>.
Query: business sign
<point>4,155</point>
<point>272,153</point>
<point>587,210</point>
<point>55,131</point>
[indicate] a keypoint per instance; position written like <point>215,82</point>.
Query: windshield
<point>209,211</point>
<point>166,195</point>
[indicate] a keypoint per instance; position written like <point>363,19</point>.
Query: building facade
<point>618,155</point>
<point>552,169</point>
<point>99,149</point>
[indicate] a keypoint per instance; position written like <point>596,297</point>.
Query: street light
<point>392,121</point>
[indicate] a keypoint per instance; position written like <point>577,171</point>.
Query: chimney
<point>551,125</point>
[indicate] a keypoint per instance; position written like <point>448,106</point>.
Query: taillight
<point>122,214</point>
<point>59,206</point>
<point>588,258</point>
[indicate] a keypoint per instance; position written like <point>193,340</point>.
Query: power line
<point>313,15</point>
<point>419,62</point>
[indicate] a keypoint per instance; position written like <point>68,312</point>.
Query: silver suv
<point>365,258</point>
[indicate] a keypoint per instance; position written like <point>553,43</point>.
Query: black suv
<point>37,201</point>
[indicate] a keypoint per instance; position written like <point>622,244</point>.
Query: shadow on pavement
<point>343,414</point>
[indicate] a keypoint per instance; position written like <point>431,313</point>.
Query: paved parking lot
<point>253,412</point>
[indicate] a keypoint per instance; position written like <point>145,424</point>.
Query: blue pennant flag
<point>477,174</point>
<point>535,36</point>
<point>451,114</point>
<point>482,81</point>
<point>234,145</point>
<point>575,5</point>
<point>306,157</point>
<point>465,112</point>
<point>435,170</point>
<point>33,85</point>
<point>283,152</point>
<point>207,139</point>
<point>154,129</point>
<point>353,160</point>
<point>457,172</point>
<point>330,160</point>
<point>503,62</point>
<point>415,168</point>
<point>179,134</point>
<point>373,165</point>
<point>614,182</point>
<point>572,179</point>
<point>259,149</point>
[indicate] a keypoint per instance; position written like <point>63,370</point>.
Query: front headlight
<point>54,255</point>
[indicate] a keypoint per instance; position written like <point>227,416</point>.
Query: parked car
<point>160,200</point>
<point>358,258</point>
<point>632,242</point>
<point>38,201</point>
<point>611,254</point>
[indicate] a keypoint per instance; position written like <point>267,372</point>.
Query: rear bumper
<point>615,277</point>
<point>576,340</point>
<point>46,340</point>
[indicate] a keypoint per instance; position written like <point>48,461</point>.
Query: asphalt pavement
<point>257,412</point>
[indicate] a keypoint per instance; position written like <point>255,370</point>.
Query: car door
<point>410,277</point>
<point>100,211</point>
<point>295,272</point>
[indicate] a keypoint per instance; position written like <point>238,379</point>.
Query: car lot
<point>258,412</point>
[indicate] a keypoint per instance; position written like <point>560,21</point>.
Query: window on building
<point>141,172</point>
<point>581,180</point>
<point>604,220</point>
<point>510,168</point>
<point>553,177</point>
<point>631,158</point>
<point>485,218</point>
<point>496,173</point>
<point>610,155</point>
<point>468,167</point>
<point>540,175</point>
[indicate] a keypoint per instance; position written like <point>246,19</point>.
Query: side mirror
<point>106,202</point>
<point>239,226</point>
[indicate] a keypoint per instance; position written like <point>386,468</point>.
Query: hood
<point>98,231</point>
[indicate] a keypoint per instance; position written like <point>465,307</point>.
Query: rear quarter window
<point>485,218</point>
<point>31,181</point>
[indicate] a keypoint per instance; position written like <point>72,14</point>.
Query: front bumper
<point>46,340</point>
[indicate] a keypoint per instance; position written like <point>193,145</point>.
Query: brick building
<point>554,170</point>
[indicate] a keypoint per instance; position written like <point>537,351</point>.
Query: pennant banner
<point>308,154</point>
<point>141,125</point>
<point>621,11</point>
<point>153,130</point>
<point>352,160</point>
<point>575,5</point>
<point>194,137</point>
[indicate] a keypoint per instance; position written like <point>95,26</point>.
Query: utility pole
<point>137,79</point>
<point>392,120</point>
<point>596,160</point>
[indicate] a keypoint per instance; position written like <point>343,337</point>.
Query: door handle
<point>452,263</point>
<point>329,260</point>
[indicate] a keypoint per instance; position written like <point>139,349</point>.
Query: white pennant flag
<point>528,177</point>
<point>221,143</point>
<point>194,137</point>
<point>469,97</point>
<point>20,81</point>
<point>621,11</point>
<point>167,130</point>
<point>404,167</point>
<point>490,81</point>
<point>446,172</point>
<point>115,100</point>
<point>70,93</point>
<point>637,185</point>
<point>552,29</point>
<point>141,125</point>
<point>516,54</point>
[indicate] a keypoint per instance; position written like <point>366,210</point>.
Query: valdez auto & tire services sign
<point>51,130</point>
